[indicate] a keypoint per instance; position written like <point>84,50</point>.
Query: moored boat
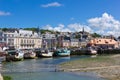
<point>46,53</point>
<point>29,54</point>
<point>14,55</point>
<point>91,51</point>
<point>62,52</point>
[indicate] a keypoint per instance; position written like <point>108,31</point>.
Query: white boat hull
<point>49,54</point>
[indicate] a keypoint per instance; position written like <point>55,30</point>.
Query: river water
<point>43,69</point>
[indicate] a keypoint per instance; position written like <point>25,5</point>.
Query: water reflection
<point>33,65</point>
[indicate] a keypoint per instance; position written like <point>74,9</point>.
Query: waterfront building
<point>49,41</point>
<point>104,43</point>
<point>74,42</point>
<point>9,38</point>
<point>2,42</point>
<point>82,43</point>
<point>66,43</point>
<point>60,39</point>
<point>1,36</point>
<point>24,39</point>
<point>118,40</point>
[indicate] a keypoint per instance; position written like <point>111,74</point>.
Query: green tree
<point>95,35</point>
<point>31,29</point>
<point>44,31</point>
<point>5,29</point>
<point>78,36</point>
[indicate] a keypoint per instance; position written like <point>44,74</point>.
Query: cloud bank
<point>104,25</point>
<point>54,4</point>
<point>2,13</point>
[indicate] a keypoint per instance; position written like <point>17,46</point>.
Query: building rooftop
<point>103,41</point>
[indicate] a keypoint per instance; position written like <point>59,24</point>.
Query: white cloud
<point>2,13</point>
<point>54,4</point>
<point>49,27</point>
<point>60,28</point>
<point>106,24</point>
<point>76,27</point>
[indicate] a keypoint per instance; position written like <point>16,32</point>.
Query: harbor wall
<point>101,51</point>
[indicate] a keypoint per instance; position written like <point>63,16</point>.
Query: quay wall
<point>109,51</point>
<point>102,51</point>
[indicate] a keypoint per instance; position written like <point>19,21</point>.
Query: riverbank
<point>107,66</point>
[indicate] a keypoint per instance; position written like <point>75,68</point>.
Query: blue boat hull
<point>66,53</point>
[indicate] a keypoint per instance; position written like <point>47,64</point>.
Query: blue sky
<point>56,13</point>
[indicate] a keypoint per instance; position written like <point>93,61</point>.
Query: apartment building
<point>49,40</point>
<point>21,39</point>
<point>74,42</point>
<point>24,39</point>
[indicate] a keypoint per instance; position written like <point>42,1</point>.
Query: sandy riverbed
<point>105,66</point>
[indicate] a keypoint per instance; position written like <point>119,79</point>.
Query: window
<point>12,35</point>
<point>24,41</point>
<point>0,34</point>
<point>32,41</point>
<point>5,35</point>
<point>9,40</point>
<point>0,39</point>
<point>5,39</point>
<point>27,41</point>
<point>21,40</point>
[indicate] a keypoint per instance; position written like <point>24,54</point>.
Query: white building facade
<point>23,39</point>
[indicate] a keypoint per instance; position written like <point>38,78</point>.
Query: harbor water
<point>43,69</point>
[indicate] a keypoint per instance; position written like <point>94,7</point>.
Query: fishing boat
<point>29,54</point>
<point>62,52</point>
<point>91,51</point>
<point>14,55</point>
<point>46,53</point>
